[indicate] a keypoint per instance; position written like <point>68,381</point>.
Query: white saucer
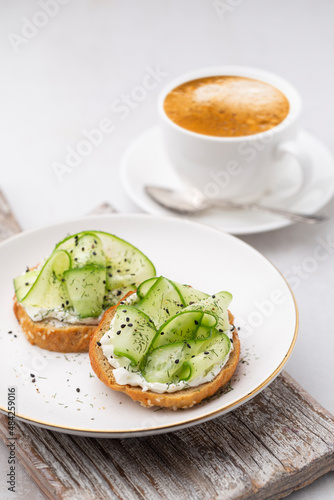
<point>145,163</point>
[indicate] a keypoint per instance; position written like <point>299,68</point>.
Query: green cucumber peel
<point>48,290</point>
<point>184,326</point>
<point>133,334</point>
<point>161,302</point>
<point>184,361</point>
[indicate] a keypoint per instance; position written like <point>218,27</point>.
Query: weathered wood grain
<point>280,441</point>
<point>8,224</point>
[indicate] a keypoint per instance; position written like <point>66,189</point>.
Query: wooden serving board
<point>280,441</point>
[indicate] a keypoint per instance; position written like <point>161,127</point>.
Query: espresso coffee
<point>226,106</point>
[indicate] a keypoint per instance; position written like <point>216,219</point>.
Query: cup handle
<point>293,149</point>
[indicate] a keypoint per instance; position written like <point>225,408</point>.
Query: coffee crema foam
<point>226,106</point>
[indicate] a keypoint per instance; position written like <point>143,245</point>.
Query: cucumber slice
<point>87,249</point>
<point>134,332</point>
<point>24,282</point>
<point>117,285</point>
<point>121,254</point>
<point>162,364</point>
<point>162,301</point>
<point>212,352</point>
<point>126,266</point>
<point>49,291</point>
<point>188,293</point>
<point>172,363</point>
<point>145,286</point>
<point>184,326</point>
<point>86,286</point>
<point>216,304</point>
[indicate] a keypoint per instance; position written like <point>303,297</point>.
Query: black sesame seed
<point>119,332</point>
<point>33,380</point>
<point>167,311</point>
<point>63,305</point>
<point>206,352</point>
<point>213,296</point>
<point>27,269</point>
<point>32,375</point>
<point>196,322</point>
<point>190,303</point>
<point>67,302</point>
<point>83,248</point>
<point>108,267</point>
<point>221,330</point>
<point>77,389</point>
<point>162,333</point>
<point>10,331</point>
<point>94,253</point>
<point>127,320</point>
<point>75,258</point>
<point>193,356</point>
<point>119,292</point>
<point>123,326</point>
<point>127,270</point>
<point>15,335</point>
<point>27,284</point>
<point>118,270</point>
<point>95,242</point>
<point>110,275</point>
<point>130,324</point>
<point>104,282</point>
<point>238,327</point>
<point>63,279</point>
<point>124,311</point>
<point>176,361</point>
<point>98,343</point>
<point>188,345</point>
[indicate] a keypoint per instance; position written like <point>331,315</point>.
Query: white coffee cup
<point>243,167</point>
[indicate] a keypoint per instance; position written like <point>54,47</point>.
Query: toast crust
<point>185,398</point>
<point>67,338</point>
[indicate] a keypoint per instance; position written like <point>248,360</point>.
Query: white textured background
<point>67,76</point>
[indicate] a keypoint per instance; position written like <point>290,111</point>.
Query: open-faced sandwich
<point>60,302</point>
<point>167,345</point>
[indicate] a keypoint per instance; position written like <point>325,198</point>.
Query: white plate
<point>185,251</point>
<point>145,163</point>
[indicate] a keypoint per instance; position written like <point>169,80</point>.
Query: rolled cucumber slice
<point>216,304</point>
<point>161,302</point>
<point>188,293</point>
<point>172,363</point>
<point>48,290</point>
<point>87,249</point>
<point>24,282</point>
<point>86,288</point>
<point>184,326</point>
<point>117,285</point>
<point>212,353</point>
<point>145,286</point>
<point>133,334</point>
<point>126,266</point>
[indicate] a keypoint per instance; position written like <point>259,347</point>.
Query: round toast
<point>185,398</point>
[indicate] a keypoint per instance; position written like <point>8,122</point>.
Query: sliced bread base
<point>67,338</point>
<point>186,398</point>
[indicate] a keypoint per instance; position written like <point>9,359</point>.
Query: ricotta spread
<point>124,375</point>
